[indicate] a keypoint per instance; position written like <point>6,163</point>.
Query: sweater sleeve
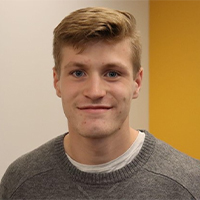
<point>2,192</point>
<point>25,167</point>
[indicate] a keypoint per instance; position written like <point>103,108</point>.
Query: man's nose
<point>94,88</point>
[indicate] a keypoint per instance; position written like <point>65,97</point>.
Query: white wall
<point>30,112</point>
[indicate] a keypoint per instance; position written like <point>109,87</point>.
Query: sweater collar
<point>104,178</point>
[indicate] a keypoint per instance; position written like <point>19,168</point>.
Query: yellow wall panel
<point>174,94</point>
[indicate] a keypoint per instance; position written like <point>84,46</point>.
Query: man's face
<point>96,87</point>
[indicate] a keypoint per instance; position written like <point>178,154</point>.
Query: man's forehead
<point>101,53</point>
<point>80,47</point>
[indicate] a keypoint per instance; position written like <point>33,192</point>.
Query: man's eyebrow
<point>75,64</point>
<point>104,65</point>
<point>116,66</point>
<point>113,65</point>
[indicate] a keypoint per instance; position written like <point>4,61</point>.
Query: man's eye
<point>112,74</point>
<point>78,73</point>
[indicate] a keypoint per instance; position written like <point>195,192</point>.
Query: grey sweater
<point>158,172</point>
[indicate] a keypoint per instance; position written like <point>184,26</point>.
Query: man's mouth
<point>95,108</point>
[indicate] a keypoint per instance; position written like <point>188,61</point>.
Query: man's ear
<point>137,83</point>
<point>56,82</point>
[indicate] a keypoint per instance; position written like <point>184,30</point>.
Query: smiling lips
<point>95,108</point>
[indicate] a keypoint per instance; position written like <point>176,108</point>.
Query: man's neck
<point>98,151</point>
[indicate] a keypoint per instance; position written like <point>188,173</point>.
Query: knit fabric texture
<point>158,172</point>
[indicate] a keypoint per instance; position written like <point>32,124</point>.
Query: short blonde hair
<point>95,24</point>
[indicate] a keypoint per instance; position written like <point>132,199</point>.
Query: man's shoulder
<point>170,163</point>
<point>40,160</point>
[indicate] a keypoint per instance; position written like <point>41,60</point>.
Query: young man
<point>97,73</point>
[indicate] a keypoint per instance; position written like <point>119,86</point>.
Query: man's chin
<point>96,133</point>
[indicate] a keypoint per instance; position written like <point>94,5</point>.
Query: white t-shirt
<point>115,164</point>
